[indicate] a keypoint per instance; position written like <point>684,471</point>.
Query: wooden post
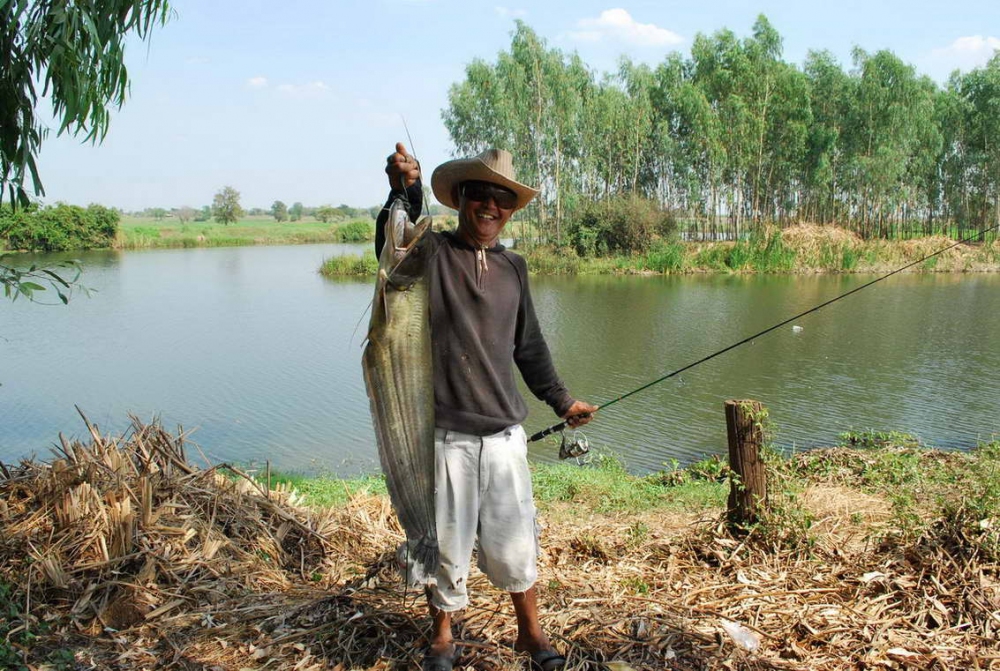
<point>748,490</point>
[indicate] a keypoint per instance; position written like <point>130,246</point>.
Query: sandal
<point>547,660</point>
<point>441,662</point>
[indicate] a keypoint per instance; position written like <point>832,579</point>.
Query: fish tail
<point>418,560</point>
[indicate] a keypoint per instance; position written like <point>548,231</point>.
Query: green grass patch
<point>139,233</point>
<point>762,254</point>
<point>602,485</point>
<point>667,258</point>
<point>605,486</point>
<point>325,491</point>
<point>350,265</point>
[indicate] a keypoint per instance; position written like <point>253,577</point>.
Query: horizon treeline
<point>731,138</point>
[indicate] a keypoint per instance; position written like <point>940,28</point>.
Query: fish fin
<point>361,319</point>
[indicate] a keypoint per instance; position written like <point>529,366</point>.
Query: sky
<point>302,100</point>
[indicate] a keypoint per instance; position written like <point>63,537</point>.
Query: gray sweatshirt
<point>482,322</point>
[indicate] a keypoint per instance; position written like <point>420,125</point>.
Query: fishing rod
<point>562,425</point>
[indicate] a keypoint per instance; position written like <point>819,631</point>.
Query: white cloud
<point>965,53</point>
<point>509,13</point>
<point>312,89</point>
<point>257,82</point>
<point>618,25</point>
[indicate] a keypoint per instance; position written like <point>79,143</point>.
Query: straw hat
<point>493,165</point>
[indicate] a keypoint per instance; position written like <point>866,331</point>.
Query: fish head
<point>396,228</point>
<point>415,254</point>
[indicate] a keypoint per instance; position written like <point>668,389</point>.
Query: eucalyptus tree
<point>890,140</point>
<point>667,156</point>
<point>637,82</point>
<point>830,93</point>
<point>528,72</point>
<point>980,92</point>
<point>479,115</point>
<point>529,101</point>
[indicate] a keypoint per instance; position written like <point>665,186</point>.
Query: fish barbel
<point>398,375</point>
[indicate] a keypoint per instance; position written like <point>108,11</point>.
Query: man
<point>483,323</point>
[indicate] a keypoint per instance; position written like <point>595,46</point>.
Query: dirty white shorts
<point>483,488</point>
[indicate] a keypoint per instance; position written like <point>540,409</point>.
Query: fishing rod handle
<point>547,432</point>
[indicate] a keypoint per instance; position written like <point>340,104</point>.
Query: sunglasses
<point>483,191</point>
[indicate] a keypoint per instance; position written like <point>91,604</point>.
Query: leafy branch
<point>18,282</point>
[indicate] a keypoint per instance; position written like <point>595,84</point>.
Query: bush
<point>621,225</point>
<point>360,230</point>
<point>59,228</point>
<point>350,264</point>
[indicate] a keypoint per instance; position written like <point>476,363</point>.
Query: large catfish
<point>398,375</point>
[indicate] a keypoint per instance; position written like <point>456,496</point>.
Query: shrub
<point>360,230</point>
<point>620,225</point>
<point>60,227</point>
<point>350,264</point>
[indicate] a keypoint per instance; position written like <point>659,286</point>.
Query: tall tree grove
<point>732,138</point>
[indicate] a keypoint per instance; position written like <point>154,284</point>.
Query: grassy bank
<point>137,233</point>
<point>877,553</point>
<point>799,249</point>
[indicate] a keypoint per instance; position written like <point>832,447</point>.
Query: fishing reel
<point>573,447</point>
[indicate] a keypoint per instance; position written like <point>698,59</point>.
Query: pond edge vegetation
<point>803,249</point>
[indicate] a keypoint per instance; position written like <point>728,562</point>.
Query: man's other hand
<point>402,169</point>
<point>579,413</point>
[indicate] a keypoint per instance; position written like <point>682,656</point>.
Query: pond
<point>259,355</point>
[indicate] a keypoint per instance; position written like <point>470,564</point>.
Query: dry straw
<point>135,559</point>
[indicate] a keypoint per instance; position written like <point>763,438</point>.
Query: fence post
<point>748,489</point>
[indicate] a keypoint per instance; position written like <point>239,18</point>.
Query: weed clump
<point>350,265</point>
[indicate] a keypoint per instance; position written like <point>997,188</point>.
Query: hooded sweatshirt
<point>483,324</point>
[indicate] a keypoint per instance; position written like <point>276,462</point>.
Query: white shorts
<point>483,488</point>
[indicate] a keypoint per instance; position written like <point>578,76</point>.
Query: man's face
<point>483,211</point>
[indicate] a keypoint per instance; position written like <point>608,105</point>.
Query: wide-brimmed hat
<point>493,165</point>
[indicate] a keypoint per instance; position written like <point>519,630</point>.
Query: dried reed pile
<point>135,559</point>
<point>809,237</point>
<point>822,247</point>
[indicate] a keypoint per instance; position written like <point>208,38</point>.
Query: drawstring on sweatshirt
<point>481,266</point>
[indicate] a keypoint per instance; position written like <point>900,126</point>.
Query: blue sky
<point>302,100</point>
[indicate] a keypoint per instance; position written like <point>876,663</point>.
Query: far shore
<point>801,249</point>
<point>147,233</point>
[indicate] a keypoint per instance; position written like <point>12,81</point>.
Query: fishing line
<point>413,153</point>
<point>562,425</point>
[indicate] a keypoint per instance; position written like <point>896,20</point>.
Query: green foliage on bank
<point>350,265</point>
<point>772,251</point>
<point>58,228</point>
<point>625,224</point>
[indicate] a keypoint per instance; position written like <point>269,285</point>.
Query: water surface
<point>260,355</point>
